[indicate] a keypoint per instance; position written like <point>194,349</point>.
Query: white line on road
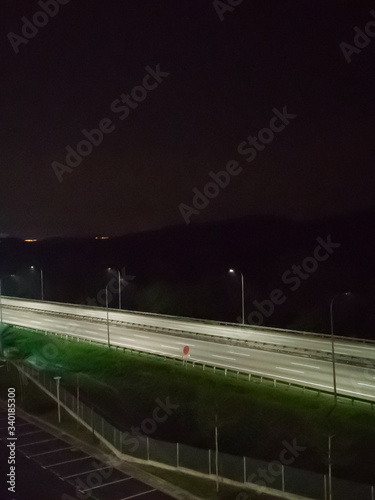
<point>240,354</point>
<point>51,451</point>
<point>222,357</point>
<point>85,472</point>
<point>308,366</point>
<point>68,461</point>
<point>288,369</point>
<point>106,484</point>
<point>38,442</point>
<point>141,336</point>
<point>138,494</point>
<point>170,347</point>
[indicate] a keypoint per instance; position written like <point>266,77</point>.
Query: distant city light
<point>30,241</point>
<point>102,237</point>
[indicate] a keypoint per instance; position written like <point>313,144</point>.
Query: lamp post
<point>333,344</point>
<point>58,398</point>
<point>119,285</point>
<point>242,295</point>
<point>41,282</point>
<point>106,305</point>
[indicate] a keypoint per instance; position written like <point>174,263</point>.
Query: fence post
<point>372,493</point>
<point>282,477</point>
<point>209,462</point>
<point>178,455</point>
<point>148,449</point>
<point>325,487</point>
<point>244,469</point>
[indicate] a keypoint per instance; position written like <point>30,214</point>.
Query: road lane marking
<point>222,357</point>
<point>367,385</point>
<point>240,354</point>
<point>288,369</point>
<point>169,347</point>
<point>141,336</point>
<point>308,366</point>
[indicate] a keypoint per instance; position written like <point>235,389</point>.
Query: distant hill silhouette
<point>183,270</point>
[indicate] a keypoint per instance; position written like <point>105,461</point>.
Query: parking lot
<point>48,467</point>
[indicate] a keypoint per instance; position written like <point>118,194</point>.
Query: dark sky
<point>225,78</point>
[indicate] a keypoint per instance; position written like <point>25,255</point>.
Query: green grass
<point>205,488</point>
<point>253,419</point>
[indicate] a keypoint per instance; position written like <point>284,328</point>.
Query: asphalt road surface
<point>127,330</point>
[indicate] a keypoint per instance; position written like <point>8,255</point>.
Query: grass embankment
<point>253,419</point>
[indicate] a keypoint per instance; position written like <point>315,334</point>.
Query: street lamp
<point>1,307</point>
<point>41,282</point>
<point>119,285</point>
<point>242,294</point>
<point>58,397</point>
<point>333,343</point>
<point>106,305</point>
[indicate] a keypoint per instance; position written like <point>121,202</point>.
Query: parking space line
<point>17,425</point>
<point>28,433</point>
<point>106,484</point>
<point>52,451</point>
<point>68,461</point>
<point>38,442</point>
<point>85,472</point>
<point>138,494</point>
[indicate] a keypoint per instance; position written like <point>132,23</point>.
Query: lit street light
<point>106,305</point>
<point>243,295</point>
<point>333,343</point>
<point>41,282</point>
<point>119,285</point>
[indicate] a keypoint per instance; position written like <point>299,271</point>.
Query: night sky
<point>218,82</point>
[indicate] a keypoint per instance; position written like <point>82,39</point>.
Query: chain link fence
<point>239,469</point>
